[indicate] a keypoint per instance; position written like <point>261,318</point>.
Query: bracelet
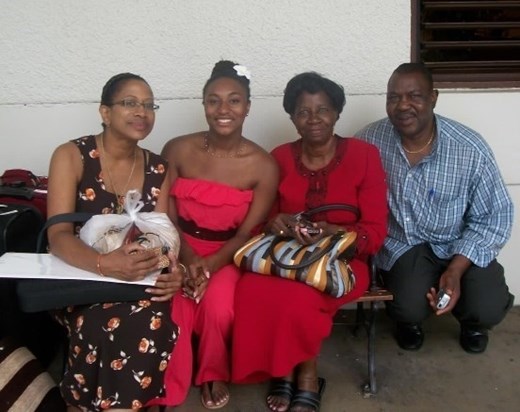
<point>183,268</point>
<point>98,265</point>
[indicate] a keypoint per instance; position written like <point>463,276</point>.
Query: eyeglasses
<point>134,105</point>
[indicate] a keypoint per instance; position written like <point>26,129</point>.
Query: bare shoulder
<point>257,152</point>
<point>261,160</point>
<point>180,146</point>
<point>66,163</point>
<point>67,152</point>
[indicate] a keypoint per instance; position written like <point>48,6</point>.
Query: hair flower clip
<point>242,71</point>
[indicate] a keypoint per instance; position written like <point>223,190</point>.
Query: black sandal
<point>281,389</point>
<point>309,399</point>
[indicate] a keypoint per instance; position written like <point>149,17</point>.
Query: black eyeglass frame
<point>134,104</point>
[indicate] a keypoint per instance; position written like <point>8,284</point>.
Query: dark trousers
<point>484,298</point>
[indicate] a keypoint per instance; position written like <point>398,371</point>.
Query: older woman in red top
<point>280,323</point>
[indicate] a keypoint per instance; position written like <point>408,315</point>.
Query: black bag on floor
<point>19,227</point>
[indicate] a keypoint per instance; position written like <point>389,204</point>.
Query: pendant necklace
<point>120,197</point>
<point>213,153</point>
<point>422,148</point>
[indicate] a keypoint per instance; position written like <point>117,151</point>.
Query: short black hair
<point>226,68</point>
<point>312,82</point>
<point>114,84</point>
<point>420,68</point>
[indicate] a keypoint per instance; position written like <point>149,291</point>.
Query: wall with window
<point>56,56</point>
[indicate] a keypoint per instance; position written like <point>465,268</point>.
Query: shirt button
<point>407,219</point>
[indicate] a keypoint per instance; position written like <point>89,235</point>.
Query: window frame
<point>459,80</point>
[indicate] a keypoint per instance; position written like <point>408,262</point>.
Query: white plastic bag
<point>153,230</point>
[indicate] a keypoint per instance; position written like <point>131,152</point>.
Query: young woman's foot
<point>215,394</point>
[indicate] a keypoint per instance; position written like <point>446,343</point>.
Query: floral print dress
<point>118,352</point>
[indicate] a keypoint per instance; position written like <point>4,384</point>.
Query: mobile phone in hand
<point>442,299</point>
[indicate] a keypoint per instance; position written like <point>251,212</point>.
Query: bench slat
<point>375,295</point>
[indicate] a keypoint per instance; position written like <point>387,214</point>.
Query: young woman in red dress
<point>223,185</point>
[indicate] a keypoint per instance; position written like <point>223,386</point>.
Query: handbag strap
<point>331,206</point>
<point>318,254</point>
<point>61,218</point>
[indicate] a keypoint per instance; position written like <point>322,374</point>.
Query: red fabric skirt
<point>280,323</point>
<point>217,207</point>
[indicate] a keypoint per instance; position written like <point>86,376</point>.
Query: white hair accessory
<point>242,71</point>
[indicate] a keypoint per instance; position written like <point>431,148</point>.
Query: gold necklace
<point>120,197</point>
<point>422,148</point>
<point>208,149</point>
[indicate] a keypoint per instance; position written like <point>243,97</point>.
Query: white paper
<point>47,266</point>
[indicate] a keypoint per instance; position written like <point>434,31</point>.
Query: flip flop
<point>309,399</point>
<point>281,389</point>
<point>214,406</point>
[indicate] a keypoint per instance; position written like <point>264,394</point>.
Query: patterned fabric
<point>91,190</point>
<point>24,384</point>
<point>317,188</point>
<point>118,352</point>
<point>455,199</point>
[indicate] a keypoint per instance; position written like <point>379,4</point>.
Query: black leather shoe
<point>473,340</point>
<point>409,336</point>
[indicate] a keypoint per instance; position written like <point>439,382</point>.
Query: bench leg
<point>360,319</point>
<point>370,388</point>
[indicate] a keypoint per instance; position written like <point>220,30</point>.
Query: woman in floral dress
<point>118,352</point>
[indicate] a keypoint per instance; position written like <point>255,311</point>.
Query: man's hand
<point>450,282</point>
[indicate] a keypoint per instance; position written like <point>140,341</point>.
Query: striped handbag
<point>323,265</point>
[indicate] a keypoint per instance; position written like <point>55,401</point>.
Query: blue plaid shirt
<point>455,199</point>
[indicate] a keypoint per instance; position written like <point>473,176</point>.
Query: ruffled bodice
<point>211,205</point>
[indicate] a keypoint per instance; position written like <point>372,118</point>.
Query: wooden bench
<point>366,317</point>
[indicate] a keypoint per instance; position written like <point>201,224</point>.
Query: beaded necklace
<point>213,153</point>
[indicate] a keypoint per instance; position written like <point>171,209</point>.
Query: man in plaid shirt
<point>450,215</point>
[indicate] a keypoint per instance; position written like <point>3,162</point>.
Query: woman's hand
<point>196,280</point>
<point>129,262</point>
<point>167,284</point>
<point>282,225</point>
<point>305,235</point>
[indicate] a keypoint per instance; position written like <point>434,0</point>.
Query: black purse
<point>37,295</point>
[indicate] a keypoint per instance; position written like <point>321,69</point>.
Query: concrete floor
<point>439,377</point>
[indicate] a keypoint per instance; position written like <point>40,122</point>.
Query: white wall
<point>55,56</point>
